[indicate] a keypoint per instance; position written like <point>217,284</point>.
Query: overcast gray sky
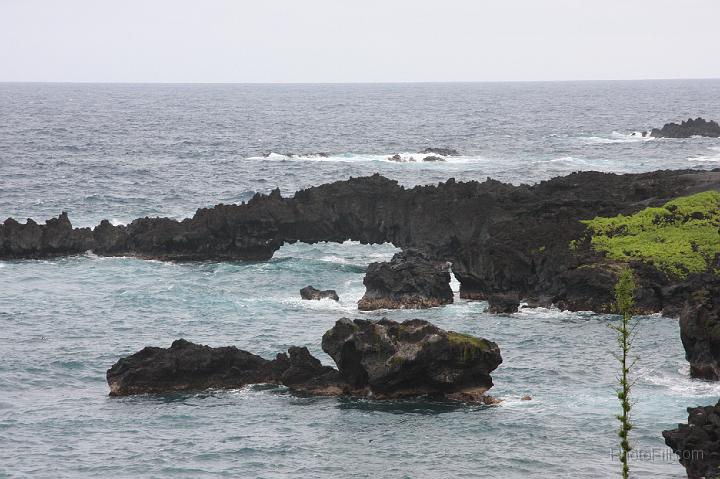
<point>357,41</point>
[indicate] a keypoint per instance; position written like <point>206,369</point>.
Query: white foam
<point>454,283</point>
<point>617,137</point>
<point>570,160</point>
<point>712,158</point>
<point>679,382</point>
<point>406,158</point>
<point>346,305</point>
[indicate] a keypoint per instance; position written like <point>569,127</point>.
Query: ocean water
<point>124,151</point>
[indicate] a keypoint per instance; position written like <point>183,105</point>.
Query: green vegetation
<point>624,292</point>
<point>680,237</point>
<point>471,346</point>
<point>459,338</point>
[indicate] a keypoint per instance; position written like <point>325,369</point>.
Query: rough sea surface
<point>124,151</point>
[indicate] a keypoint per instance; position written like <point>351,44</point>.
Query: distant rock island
<point>687,129</point>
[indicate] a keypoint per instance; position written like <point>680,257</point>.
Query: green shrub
<point>680,237</point>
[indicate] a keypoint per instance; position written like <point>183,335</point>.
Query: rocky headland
<point>686,129</point>
<point>560,241</point>
<point>376,359</point>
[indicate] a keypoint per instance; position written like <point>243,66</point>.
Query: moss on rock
<point>472,347</point>
<point>679,237</point>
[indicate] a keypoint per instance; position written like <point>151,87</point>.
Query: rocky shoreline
<point>526,241</point>
<point>697,443</point>
<point>375,359</point>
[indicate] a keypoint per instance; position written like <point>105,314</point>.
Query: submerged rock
<point>686,129</point>
<point>380,359</point>
<point>412,358</point>
<point>697,443</point>
<point>440,151</point>
<point>308,292</point>
<point>409,281</point>
<point>700,332</point>
<point>433,158</point>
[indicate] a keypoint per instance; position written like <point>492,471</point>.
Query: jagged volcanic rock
<point>697,443</point>
<point>186,366</point>
<point>383,360</point>
<point>305,374</point>
<point>308,292</point>
<point>412,358</point>
<point>409,281</point>
<point>700,331</point>
<point>55,238</point>
<point>500,238</point>
<point>433,158</point>
<point>686,129</point>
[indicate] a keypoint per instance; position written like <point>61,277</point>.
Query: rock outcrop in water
<point>697,443</point>
<point>410,280</point>
<point>379,359</point>
<point>413,358</point>
<point>700,331</point>
<point>186,366</point>
<point>503,303</point>
<point>687,129</point>
<point>526,240</point>
<point>308,292</point>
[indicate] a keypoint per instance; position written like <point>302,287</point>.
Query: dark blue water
<point>123,151</point>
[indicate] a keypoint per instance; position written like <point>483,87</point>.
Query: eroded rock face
<point>382,359</point>
<point>697,443</point>
<point>410,280</point>
<point>308,292</point>
<point>700,332</point>
<point>412,358</point>
<point>686,129</point>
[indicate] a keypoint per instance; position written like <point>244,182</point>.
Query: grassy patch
<point>680,237</point>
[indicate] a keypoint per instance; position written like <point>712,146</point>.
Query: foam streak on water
<point>126,151</point>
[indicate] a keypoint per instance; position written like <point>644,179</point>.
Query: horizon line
<point>401,82</point>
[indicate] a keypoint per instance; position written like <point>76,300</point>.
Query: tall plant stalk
<point>624,296</point>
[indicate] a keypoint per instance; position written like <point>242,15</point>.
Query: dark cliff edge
<point>500,238</point>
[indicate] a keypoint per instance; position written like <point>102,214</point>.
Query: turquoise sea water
<point>121,151</point>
